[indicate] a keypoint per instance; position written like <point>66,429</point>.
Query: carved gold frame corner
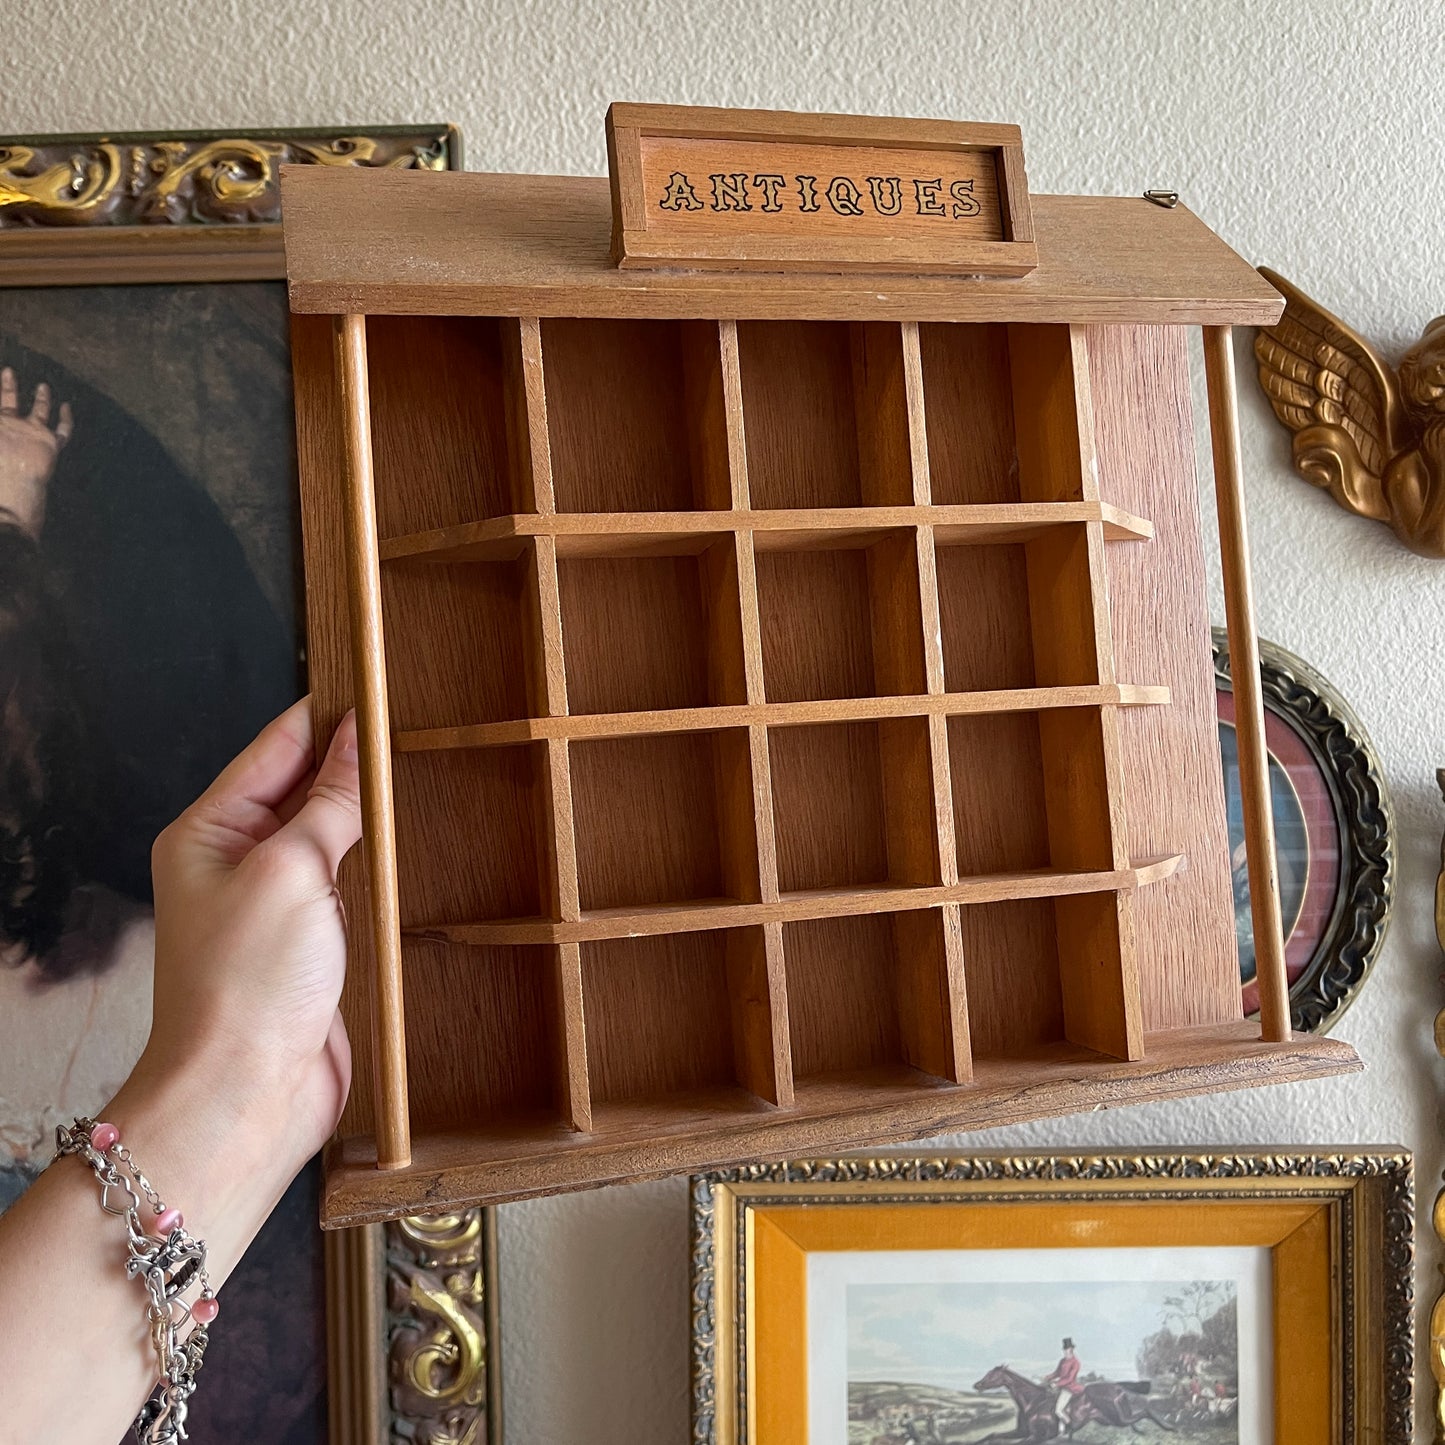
<point>411,1306</point>
<point>412,1325</point>
<point>79,210</point>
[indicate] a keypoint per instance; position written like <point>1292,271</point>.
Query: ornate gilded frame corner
<point>1337,740</point>
<point>1374,1234</point>
<point>412,1332</point>
<point>179,207</point>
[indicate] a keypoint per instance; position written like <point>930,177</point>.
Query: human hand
<point>250,936</point>
<point>28,451</point>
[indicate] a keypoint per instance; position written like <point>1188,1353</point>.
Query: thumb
<point>330,818</point>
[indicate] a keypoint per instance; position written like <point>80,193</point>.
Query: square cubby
<point>1017,614</point>
<point>664,819</point>
<point>984,617</point>
<point>1011,964</point>
<point>969,413</point>
<point>661,1015</point>
<point>649,632</point>
<point>852,805</point>
<point>635,415</point>
<point>468,841</point>
<point>1031,792</point>
<point>872,992</point>
<point>446,392</point>
<point>840,621</point>
<point>478,653</point>
<point>825,413</point>
<point>494,1014</point>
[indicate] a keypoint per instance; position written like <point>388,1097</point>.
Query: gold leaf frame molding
<point>411,1306</point>
<point>187,206</point>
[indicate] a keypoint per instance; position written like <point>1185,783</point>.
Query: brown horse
<point>1037,1421</point>
<point>1103,1401</point>
<point>1114,1404</point>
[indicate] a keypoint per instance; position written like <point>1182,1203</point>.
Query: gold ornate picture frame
<point>410,1327</point>
<point>924,1298</point>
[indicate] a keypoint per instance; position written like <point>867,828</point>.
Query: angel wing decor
<point>1371,436</point>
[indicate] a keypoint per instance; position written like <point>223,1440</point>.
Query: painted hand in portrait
<point>149,626</point>
<point>1371,435</point>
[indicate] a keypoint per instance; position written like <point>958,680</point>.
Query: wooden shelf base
<point>655,1139</point>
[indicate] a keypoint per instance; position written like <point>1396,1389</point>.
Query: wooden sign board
<point>760,190</point>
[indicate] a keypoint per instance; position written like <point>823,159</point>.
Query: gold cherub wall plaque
<point>1370,435</point>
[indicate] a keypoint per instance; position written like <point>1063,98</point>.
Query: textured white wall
<point>1307,134</point>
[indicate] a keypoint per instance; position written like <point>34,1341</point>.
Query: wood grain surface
<point>508,245</point>
<point>1160,621</point>
<point>830,1113</point>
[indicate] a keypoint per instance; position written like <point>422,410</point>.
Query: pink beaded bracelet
<point>166,1259</point>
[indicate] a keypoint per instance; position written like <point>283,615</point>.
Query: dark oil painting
<point>150,624</point>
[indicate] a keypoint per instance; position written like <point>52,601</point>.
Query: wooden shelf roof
<point>459,243</point>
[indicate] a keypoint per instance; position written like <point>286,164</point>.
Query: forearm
<point>219,1154</point>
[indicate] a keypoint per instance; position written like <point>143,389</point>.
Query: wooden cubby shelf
<point>787,722</point>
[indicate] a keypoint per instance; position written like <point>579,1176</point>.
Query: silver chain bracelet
<point>166,1259</point>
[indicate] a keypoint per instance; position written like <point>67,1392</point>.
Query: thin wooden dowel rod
<point>373,727</point>
<point>1248,694</point>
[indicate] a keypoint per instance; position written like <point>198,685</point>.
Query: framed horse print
<point>1251,1297</point>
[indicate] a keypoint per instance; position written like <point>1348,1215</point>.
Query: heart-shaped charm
<point>105,1204</point>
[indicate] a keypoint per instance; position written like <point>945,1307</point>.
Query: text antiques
<point>769,190</point>
<point>843,195</point>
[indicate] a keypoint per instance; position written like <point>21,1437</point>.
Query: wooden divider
<point>757,973</point>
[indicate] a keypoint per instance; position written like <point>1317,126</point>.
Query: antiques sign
<point>775,191</point>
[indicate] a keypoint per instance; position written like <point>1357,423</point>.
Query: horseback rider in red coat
<point>1066,1380</point>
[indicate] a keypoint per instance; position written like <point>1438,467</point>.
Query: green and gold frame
<point>175,529</point>
<point>1334,836</point>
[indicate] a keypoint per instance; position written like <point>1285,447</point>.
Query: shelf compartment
<point>801,904</point>
<point>636,417</point>
<point>495,1016</point>
<point>664,1019</point>
<point>852,805</point>
<point>825,414</point>
<point>469,835</point>
<point>842,620</point>
<point>666,819</point>
<point>618,534</point>
<point>1020,614</point>
<point>480,655</point>
<point>877,989</point>
<point>652,632</point>
<point>447,421</point>
<point>1048,971</point>
<point>968,411</point>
